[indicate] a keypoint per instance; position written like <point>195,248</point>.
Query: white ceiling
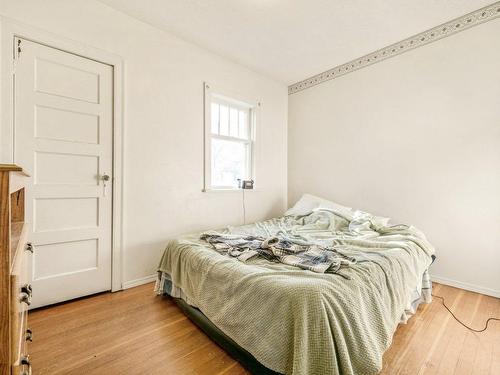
<point>291,40</point>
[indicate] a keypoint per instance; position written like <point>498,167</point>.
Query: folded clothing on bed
<point>295,321</point>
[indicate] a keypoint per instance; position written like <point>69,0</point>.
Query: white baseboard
<point>141,281</point>
<point>466,286</point>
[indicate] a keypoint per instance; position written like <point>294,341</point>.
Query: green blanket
<point>300,322</point>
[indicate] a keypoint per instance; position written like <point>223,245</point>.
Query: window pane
<point>215,118</point>
<point>243,125</point>
<point>224,120</point>
<point>228,162</point>
<point>233,122</point>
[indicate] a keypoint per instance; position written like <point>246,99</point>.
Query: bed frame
<point>229,345</point>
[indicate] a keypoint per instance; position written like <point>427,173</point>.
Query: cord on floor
<point>458,320</point>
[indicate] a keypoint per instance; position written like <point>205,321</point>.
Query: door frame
<point>11,29</point>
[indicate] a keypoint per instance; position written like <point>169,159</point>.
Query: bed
<point>276,318</point>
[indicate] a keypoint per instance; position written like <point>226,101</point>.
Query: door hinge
<point>17,48</point>
<point>17,53</point>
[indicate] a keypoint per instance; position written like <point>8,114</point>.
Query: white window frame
<point>236,101</point>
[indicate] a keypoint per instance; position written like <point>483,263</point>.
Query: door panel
<point>53,168</point>
<point>56,214</point>
<point>74,256</point>
<point>66,125</point>
<point>63,138</point>
<point>56,78</point>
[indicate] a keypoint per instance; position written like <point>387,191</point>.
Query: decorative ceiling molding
<point>449,28</point>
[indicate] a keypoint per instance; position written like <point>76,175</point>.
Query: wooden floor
<point>135,332</point>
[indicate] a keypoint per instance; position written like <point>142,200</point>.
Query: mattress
<point>295,321</point>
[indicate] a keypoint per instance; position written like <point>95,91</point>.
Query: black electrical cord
<point>465,325</point>
<point>244,208</point>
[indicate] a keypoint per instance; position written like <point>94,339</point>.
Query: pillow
<point>308,203</point>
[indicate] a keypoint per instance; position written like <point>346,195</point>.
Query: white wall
<point>164,126</point>
<point>416,138</point>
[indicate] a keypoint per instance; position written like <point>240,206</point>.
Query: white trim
<point>254,107</point>
<point>221,99</point>
<point>9,30</point>
<point>466,286</point>
<point>232,190</point>
<point>231,139</point>
<point>140,281</point>
<point>446,29</point>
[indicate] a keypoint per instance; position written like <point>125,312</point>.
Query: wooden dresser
<point>15,290</point>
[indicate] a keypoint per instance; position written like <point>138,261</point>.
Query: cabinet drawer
<point>20,345</point>
<point>20,300</point>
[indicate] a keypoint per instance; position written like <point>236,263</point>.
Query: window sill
<point>236,190</point>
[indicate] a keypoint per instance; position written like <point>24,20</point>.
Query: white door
<point>63,137</point>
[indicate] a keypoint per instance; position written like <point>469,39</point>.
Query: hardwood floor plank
<point>456,334</point>
<point>495,342</point>
<point>99,335</point>
<point>416,352</point>
<point>485,340</point>
<point>142,356</point>
<point>471,345</point>
<point>135,332</point>
<point>405,336</point>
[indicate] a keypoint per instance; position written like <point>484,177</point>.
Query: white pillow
<point>308,203</point>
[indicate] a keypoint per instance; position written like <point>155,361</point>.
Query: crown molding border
<point>444,30</point>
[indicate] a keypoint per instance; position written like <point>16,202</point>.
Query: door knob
<point>29,247</point>
<point>104,178</point>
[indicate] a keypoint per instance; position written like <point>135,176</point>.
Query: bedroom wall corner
<point>415,137</point>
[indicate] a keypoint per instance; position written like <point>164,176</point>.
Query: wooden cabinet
<point>15,290</point>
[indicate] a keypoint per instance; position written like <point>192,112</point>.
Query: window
<point>229,143</point>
